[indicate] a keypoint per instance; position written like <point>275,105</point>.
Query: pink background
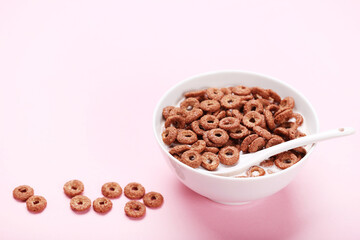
<point>79,83</point>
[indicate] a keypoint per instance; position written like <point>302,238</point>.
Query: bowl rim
<point>284,171</point>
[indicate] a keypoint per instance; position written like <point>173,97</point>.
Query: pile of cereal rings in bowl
<point>216,125</point>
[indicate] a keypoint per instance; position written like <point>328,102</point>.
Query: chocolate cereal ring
<point>191,158</point>
<point>73,188</point>
<point>272,94</point>
<point>111,190</point>
<point>169,135</point>
<point>193,115</point>
<point>179,149</point>
<point>285,160</point>
<point>153,199</point>
<point>214,93</point>
<point>218,136</point>
<point>283,116</point>
<point>166,111</point>
<point>258,91</point>
<point>199,146</point>
<point>275,140</point>
<point>186,137</point>
<point>23,192</point>
<point>175,121</point>
<point>220,114</point>
<point>178,111</point>
<point>211,149</point>
<point>208,142</point>
<point>239,132</point>
<point>267,163</point>
<point>80,203</point>
<point>253,105</point>
<point>230,101</point>
<point>252,119</point>
<point>269,118</point>
<point>102,205</point>
<point>229,155</point>
<point>241,90</point>
<point>234,113</point>
<point>134,190</point>
<point>198,93</point>
<point>226,91</point>
<point>247,141</point>
<point>210,105</point>
<point>298,119</point>
<point>36,204</point>
<point>255,171</point>
<point>229,123</point>
<point>195,126</point>
<point>189,104</point>
<point>256,145</point>
<point>287,102</point>
<point>209,122</point>
<point>134,209</point>
<point>262,132</point>
<point>210,161</point>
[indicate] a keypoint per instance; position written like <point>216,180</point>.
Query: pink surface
<point>79,82</point>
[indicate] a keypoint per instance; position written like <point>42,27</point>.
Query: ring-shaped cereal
<point>73,188</point>
<point>210,161</point>
<point>178,111</point>
<point>135,209</point>
<point>102,205</point>
<point>258,91</point>
<point>153,199</point>
<point>194,94</point>
<point>247,141</point>
<point>283,116</point>
<point>208,142</point>
<point>211,149</point>
<point>239,132</point>
<point>273,108</point>
<point>175,121</point>
<point>229,155</point>
<point>214,93</point>
<point>189,104</point>
<point>36,204</point>
<point>169,135</point>
<point>267,163</point>
<point>298,119</point>
<point>269,119</point>
<point>255,171</point>
<point>229,123</point>
<point>178,149</point>
<point>191,158</point>
<point>134,190</point>
<point>209,122</point>
<point>262,132</point>
<point>218,136</point>
<point>285,160</point>
<point>300,152</point>
<point>241,90</point>
<point>275,140</point>
<point>193,115</point>
<point>195,126</point>
<point>199,146</point>
<point>264,102</point>
<point>287,102</point>
<point>256,145</point>
<point>253,105</point>
<point>275,97</point>
<point>210,105</point>
<point>80,203</point>
<point>186,137</point>
<point>111,190</point>
<point>23,192</point>
<point>252,119</point>
<point>234,113</point>
<point>166,111</point>
<point>220,114</point>
<point>226,91</point>
<point>230,101</point>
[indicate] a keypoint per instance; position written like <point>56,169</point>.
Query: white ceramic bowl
<point>229,190</point>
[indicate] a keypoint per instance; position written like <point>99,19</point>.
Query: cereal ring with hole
<point>234,113</point>
<point>36,204</point>
<point>282,132</point>
<point>287,102</point>
<point>178,149</point>
<point>258,91</point>
<point>269,119</point>
<point>134,190</point>
<point>246,98</point>
<point>255,171</point>
<point>285,160</point>
<point>229,155</point>
<point>283,116</point>
<point>195,126</point>
<point>208,142</point>
<point>298,119</point>
<point>193,115</point>
<point>111,190</point>
<point>264,102</point>
<point>262,132</point>
<point>267,163</point>
<point>210,161</point>
<point>239,132</point>
<point>289,125</point>
<point>214,93</point>
<point>169,135</point>
<point>230,101</point>
<point>275,140</point>
<point>178,111</point>
<point>166,111</point>
<point>73,188</point>
<point>197,93</point>
<point>153,199</point>
<point>199,146</point>
<point>209,122</point>
<point>300,152</point>
<point>226,91</point>
<point>273,108</point>
<point>191,158</point>
<point>211,149</point>
<point>252,119</point>
<point>23,192</point>
<point>135,209</point>
<point>210,105</point>
<point>102,205</point>
<point>80,203</point>
<point>229,123</point>
<point>218,136</point>
<point>175,121</point>
<point>274,96</point>
<point>189,104</point>
<point>241,90</point>
<point>247,141</point>
<point>186,137</point>
<point>253,105</point>
<point>256,145</point>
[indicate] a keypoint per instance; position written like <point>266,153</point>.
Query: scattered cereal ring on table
<point>111,190</point>
<point>36,204</point>
<point>134,209</point>
<point>102,205</point>
<point>23,192</point>
<point>134,190</point>
<point>73,188</point>
<point>153,199</point>
<point>80,203</point>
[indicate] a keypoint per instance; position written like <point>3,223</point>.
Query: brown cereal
<point>273,108</point>
<point>214,93</point>
<point>218,136</point>
<point>36,204</point>
<point>80,203</point>
<point>169,135</point>
<point>267,163</point>
<point>298,119</point>
<point>166,111</point>
<point>262,132</point>
<point>193,115</point>
<point>153,199</point>
<point>226,90</point>
<point>102,205</point>
<point>134,209</point>
<point>189,104</point>
<point>274,141</point>
<point>134,190</point>
<point>73,188</point>
<point>230,101</point>
<point>229,123</point>
<point>257,91</point>
<point>191,158</point>
<point>23,192</point>
<point>234,113</point>
<point>210,105</point>
<point>300,152</point>
<point>210,161</point>
<point>199,146</point>
<point>253,105</point>
<point>220,114</point>
<point>179,149</point>
<point>176,121</point>
<point>287,102</point>
<point>195,126</point>
<point>272,94</point>
<point>283,132</point>
<point>229,155</point>
<point>209,122</point>
<point>283,116</point>
<point>241,90</point>
<point>211,149</point>
<point>111,190</point>
<point>239,132</point>
<point>264,102</point>
<point>285,160</point>
<point>256,145</point>
<point>252,119</point>
<point>198,93</point>
<point>269,118</point>
<point>186,137</point>
<point>208,142</point>
<point>247,141</point>
<point>178,111</point>
<point>255,171</point>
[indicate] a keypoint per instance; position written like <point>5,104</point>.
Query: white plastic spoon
<point>251,159</point>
